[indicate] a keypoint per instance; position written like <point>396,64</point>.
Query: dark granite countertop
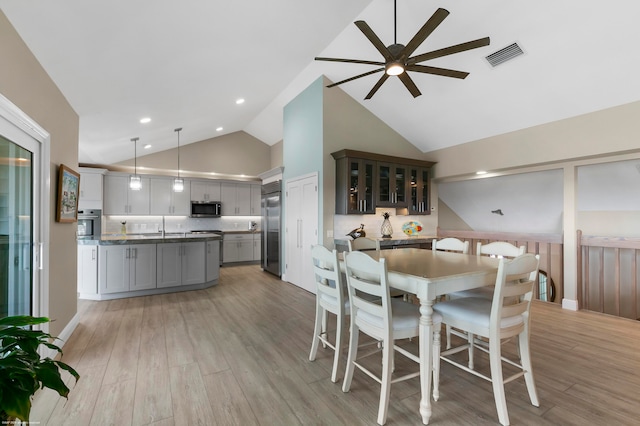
<point>148,239</point>
<point>393,241</point>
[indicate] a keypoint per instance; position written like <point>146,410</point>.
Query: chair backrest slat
<point>366,276</point>
<point>328,277</point>
<point>450,244</point>
<point>515,281</point>
<point>500,249</point>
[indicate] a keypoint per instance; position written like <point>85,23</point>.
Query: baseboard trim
<point>570,304</point>
<point>64,335</point>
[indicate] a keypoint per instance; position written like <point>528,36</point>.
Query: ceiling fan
<point>398,59</point>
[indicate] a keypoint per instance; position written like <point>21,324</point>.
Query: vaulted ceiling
<point>184,64</point>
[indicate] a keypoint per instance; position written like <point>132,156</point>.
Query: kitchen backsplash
<point>153,224</point>
<point>343,224</point>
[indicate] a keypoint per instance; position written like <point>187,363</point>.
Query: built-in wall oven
<point>89,223</point>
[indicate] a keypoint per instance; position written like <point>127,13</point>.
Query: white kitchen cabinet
<point>164,201</point>
<point>87,269</point>
<point>237,248</point>
<point>119,199</point>
<point>212,260</point>
<point>205,191</point>
<point>256,200</point>
<point>236,199</point>
<point>126,267</point>
<point>180,264</point>
<point>90,196</point>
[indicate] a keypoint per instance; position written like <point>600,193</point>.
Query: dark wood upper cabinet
<point>366,180</point>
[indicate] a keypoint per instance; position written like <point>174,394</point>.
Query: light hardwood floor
<point>237,354</point>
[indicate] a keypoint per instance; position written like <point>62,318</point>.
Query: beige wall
<point>347,124</point>
<point>276,155</point>
<point>27,85</point>
<point>596,134</point>
<point>232,154</point>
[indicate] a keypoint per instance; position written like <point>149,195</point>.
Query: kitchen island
<point>118,266</point>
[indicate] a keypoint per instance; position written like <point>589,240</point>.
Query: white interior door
<point>301,221</point>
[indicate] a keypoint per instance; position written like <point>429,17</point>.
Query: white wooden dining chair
<point>385,320</point>
<point>500,249</point>
<point>361,244</point>
<point>495,321</point>
<point>330,297</point>
<point>450,244</point>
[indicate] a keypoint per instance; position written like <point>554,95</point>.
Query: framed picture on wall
<point>68,190</point>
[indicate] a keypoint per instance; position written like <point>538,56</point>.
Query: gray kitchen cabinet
<point>235,199</point>
<point>165,202</point>
<point>257,246</point>
<point>237,248</point>
<point>127,267</point>
<point>256,200</point>
<point>180,264</point>
<point>205,190</point>
<point>119,199</point>
<point>212,257</point>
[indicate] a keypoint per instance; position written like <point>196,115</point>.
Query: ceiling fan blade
<point>449,50</point>
<point>409,84</point>
<point>351,61</point>
<point>356,77</point>
<point>438,71</point>
<point>424,32</point>
<point>373,38</point>
<point>373,91</point>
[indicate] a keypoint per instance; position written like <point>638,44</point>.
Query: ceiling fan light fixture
<point>394,68</point>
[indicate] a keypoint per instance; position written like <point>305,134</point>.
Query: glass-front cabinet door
<point>392,185</point>
<point>419,191</point>
<point>361,174</point>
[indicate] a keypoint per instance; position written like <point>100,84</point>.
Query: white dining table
<point>429,274</point>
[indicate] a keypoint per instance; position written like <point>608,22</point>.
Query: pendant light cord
<point>135,156</point>
<point>178,130</point>
<point>395,24</point>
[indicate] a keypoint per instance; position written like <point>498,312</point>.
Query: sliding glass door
<point>24,191</point>
<point>16,229</point>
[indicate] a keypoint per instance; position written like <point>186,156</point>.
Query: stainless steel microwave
<point>206,209</point>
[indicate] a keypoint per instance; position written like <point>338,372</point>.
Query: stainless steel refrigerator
<point>271,237</point>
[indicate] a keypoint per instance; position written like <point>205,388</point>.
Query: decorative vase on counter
<point>386,230</point>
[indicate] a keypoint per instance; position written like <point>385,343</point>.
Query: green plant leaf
<point>22,321</point>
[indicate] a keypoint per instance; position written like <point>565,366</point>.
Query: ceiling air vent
<point>504,55</point>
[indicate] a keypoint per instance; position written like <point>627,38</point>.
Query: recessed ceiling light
<point>219,129</point>
<point>481,172</point>
<point>147,146</point>
<point>145,120</point>
<point>239,101</point>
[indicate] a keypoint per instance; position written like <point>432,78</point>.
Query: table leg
<point>426,358</point>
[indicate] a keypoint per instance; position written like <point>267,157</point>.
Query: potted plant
<point>22,371</point>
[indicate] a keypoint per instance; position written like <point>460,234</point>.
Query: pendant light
<point>178,183</point>
<point>135,182</point>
